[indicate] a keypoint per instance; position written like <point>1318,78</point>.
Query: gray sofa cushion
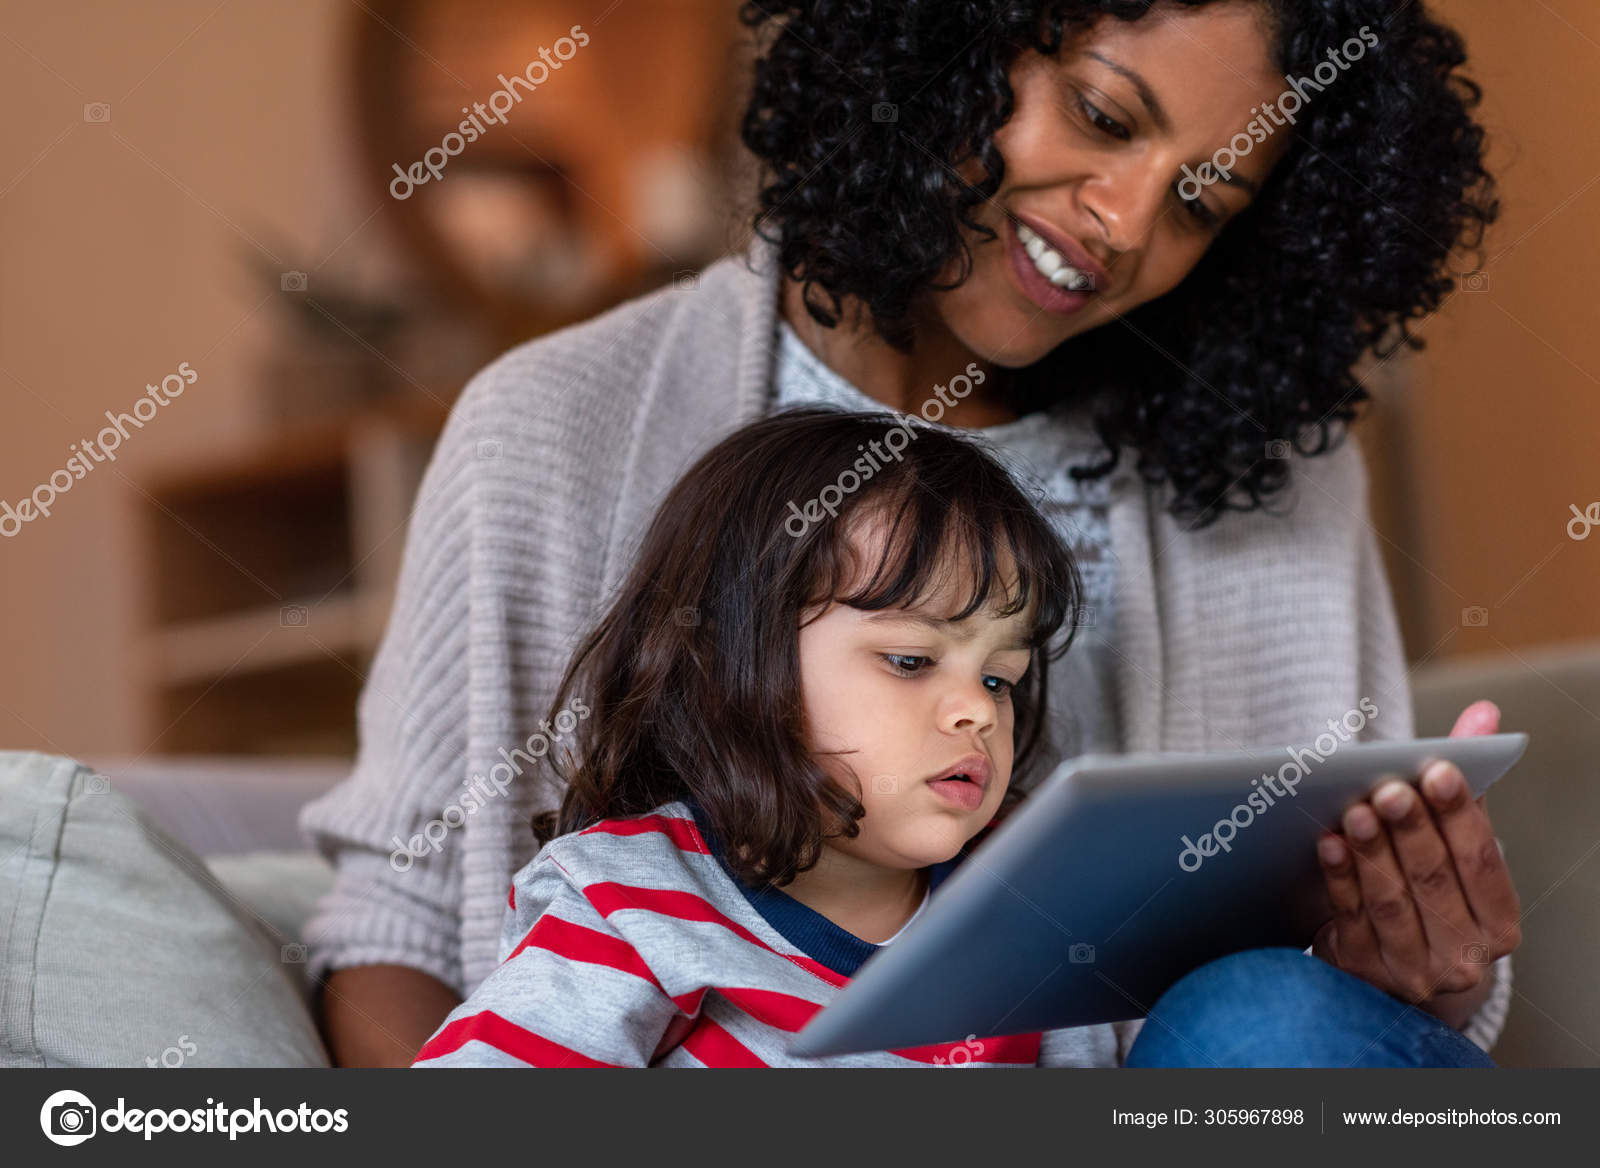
<point>120,947</point>
<point>1547,815</point>
<point>224,805</point>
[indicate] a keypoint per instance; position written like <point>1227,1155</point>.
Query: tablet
<point>1114,878</point>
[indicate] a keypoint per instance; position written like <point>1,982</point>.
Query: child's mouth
<point>964,782</point>
<point>959,790</point>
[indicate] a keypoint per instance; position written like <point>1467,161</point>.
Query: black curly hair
<point>1348,242</point>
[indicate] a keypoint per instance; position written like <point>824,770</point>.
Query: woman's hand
<point>1422,899</point>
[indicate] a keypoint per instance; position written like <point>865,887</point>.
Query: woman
<point>1139,247</point>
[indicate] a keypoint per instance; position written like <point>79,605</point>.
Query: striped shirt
<point>631,943</point>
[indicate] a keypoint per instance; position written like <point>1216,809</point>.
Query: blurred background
<point>227,202</point>
<point>215,184</point>
<point>224,186</point>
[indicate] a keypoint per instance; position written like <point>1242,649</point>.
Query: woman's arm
<point>380,1015</point>
<point>385,941</point>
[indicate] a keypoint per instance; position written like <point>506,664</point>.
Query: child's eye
<point>907,665</point>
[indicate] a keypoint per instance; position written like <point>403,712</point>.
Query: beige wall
<point>1498,435</point>
<point>123,247</point>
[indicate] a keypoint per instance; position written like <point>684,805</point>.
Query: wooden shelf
<point>269,572</point>
<point>294,449</point>
<point>298,631</point>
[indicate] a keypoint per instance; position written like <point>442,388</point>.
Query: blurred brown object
<point>267,573</point>
<point>601,182</point>
<point>268,564</point>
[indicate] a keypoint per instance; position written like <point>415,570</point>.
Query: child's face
<point>912,701</point>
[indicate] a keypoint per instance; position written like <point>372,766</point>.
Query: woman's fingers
<point>1484,878</point>
<point>1326,944</point>
<point>1352,944</point>
<point>1389,904</point>
<point>1420,894</point>
<point>1481,717</point>
<point>1454,938</point>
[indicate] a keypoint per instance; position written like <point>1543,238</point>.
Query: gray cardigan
<point>1253,632</point>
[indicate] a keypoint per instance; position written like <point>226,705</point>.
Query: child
<point>792,721</point>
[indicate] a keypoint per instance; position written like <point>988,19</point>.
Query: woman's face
<point>1094,157</point>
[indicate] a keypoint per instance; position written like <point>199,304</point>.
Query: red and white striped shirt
<point>630,943</point>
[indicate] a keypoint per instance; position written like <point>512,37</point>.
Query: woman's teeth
<point>1050,264</point>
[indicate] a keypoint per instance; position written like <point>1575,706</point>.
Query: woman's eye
<point>1099,120</point>
<point>1197,209</point>
<point>899,660</point>
<point>1004,687</point>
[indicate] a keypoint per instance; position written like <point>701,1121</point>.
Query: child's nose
<point>969,707</point>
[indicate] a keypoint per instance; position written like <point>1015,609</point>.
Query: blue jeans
<point>1282,1008</point>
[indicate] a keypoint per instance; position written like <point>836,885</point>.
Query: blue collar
<point>803,927</point>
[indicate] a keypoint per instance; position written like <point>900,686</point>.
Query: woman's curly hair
<point>1348,242</point>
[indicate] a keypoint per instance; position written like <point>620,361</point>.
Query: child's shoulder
<point>653,848</point>
<point>592,877</point>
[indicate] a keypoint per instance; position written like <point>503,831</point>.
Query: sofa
<point>151,912</point>
<point>1547,815</point>
<point>154,908</point>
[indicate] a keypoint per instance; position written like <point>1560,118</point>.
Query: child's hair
<point>693,674</point>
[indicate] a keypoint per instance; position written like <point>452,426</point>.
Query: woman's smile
<point>1091,218</point>
<point>1045,275</point>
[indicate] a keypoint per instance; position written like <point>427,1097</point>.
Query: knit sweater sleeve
<point>1081,1046</point>
<point>570,991</point>
<point>397,893</point>
<point>520,512</point>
